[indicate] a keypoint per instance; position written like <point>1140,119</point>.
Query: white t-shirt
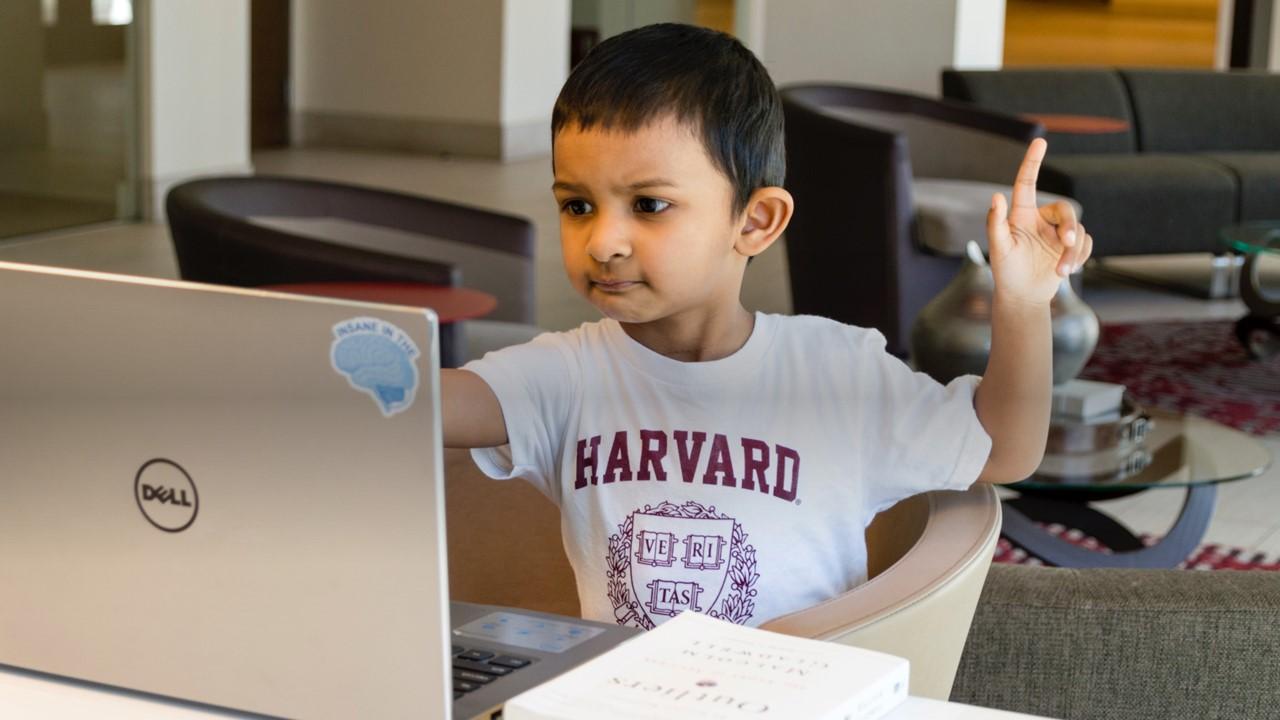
<point>738,487</point>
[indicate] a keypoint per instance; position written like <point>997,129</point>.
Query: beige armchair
<point>927,559</point>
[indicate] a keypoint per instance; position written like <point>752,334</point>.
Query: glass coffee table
<point>1259,331</point>
<point>1178,451</point>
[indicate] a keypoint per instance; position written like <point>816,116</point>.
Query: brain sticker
<point>377,358</point>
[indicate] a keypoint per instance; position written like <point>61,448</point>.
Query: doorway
<point>269,73</point>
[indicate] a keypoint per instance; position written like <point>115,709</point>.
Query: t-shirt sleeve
<point>535,388</point>
<point>929,435</point>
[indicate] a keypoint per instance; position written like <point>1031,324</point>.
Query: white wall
<point>613,17</point>
<point>464,76</point>
<point>979,35</point>
<point>535,63</point>
<point>748,24</point>
<point>1273,48</point>
<point>1222,34</point>
<point>193,92</point>
<point>901,44</point>
<point>437,59</point>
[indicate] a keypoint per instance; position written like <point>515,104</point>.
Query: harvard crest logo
<point>671,558</point>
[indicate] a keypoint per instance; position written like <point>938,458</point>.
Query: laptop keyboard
<point>473,669</point>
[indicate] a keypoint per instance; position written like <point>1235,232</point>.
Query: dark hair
<point>700,76</point>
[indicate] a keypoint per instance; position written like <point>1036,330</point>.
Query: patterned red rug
<point>1191,367</point>
<point>1209,556</point>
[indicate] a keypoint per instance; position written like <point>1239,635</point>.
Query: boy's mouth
<point>614,285</point>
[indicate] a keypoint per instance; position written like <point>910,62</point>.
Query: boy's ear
<point>767,213</point>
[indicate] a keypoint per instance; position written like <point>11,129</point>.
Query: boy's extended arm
<point>1013,399</point>
<point>1032,249</point>
<point>470,411</point>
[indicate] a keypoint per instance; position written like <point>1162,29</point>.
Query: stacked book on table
<point>1095,435</point>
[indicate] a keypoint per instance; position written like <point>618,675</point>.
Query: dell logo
<point>172,496</point>
<point>166,495</point>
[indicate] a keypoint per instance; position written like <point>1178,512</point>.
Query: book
<point>1086,398</point>
<point>697,667</point>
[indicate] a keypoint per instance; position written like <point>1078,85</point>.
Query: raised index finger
<point>1024,188</point>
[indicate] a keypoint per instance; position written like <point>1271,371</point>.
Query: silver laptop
<point>235,498</point>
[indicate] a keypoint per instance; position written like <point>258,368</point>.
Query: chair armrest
<point>920,607</point>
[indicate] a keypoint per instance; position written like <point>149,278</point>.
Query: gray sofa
<point>1125,644</point>
<point>1202,150</point>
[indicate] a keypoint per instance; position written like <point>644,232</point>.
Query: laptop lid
<point>226,496</point>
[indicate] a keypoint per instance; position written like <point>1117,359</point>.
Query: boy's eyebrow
<point>640,185</point>
<point>651,182</point>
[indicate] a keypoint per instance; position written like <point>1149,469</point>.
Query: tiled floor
<point>1246,514</point>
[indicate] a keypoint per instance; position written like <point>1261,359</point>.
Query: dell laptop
<point>234,499</point>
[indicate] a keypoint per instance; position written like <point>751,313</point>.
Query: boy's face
<point>645,222</point>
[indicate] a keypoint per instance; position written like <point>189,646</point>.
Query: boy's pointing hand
<point>1033,248</point>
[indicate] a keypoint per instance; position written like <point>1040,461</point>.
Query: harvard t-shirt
<point>739,487</point>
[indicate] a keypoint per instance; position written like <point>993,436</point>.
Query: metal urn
<point>952,334</point>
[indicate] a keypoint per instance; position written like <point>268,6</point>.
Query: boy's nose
<point>608,241</point>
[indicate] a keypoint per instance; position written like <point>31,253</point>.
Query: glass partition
<point>67,125</point>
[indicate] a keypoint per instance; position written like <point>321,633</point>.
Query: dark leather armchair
<point>855,157</point>
<point>257,230</point>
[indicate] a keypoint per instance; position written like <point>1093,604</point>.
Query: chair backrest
<point>927,558</point>
<point>945,139</point>
<point>1205,110</point>
<point>849,167</point>
<point>1055,92</point>
<point>259,230</point>
<point>852,187</point>
<point>504,542</point>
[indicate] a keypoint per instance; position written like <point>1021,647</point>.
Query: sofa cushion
<point>950,213</point>
<point>1059,92</point>
<point>1134,644</point>
<point>1259,177</point>
<point>1146,203</point>
<point>1205,110</point>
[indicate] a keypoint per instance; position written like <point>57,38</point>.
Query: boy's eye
<point>651,205</point>
<point>576,207</point>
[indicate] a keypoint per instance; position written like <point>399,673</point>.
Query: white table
<point>27,695</point>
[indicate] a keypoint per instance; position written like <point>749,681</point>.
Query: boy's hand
<point>1032,248</point>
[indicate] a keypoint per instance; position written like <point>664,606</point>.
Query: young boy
<point>704,457</point>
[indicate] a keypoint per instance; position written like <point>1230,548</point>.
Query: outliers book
<point>694,666</point>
